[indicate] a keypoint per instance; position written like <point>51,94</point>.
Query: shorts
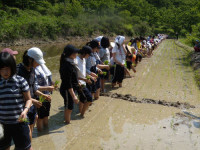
<point>112,70</point>
<point>106,77</point>
<point>68,100</point>
<point>44,110</point>
<point>19,133</point>
<point>129,65</point>
<point>32,113</point>
<point>87,94</point>
<point>98,84</point>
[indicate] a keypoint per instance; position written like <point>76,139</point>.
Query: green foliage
<point>54,18</point>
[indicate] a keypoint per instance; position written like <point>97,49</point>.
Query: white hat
<point>36,54</point>
<point>112,44</point>
<point>119,39</point>
<point>46,70</point>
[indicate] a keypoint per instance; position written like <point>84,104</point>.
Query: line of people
<point>25,88</point>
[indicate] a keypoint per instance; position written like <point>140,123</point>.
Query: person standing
<point>14,105</point>
<point>119,56</point>
<point>84,79</point>
<point>69,77</point>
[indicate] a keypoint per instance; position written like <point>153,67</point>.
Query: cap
<point>197,41</point>
<point>69,50</point>
<point>10,51</point>
<point>36,54</point>
<point>87,50</point>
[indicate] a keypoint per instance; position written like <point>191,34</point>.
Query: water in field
<point>114,124</point>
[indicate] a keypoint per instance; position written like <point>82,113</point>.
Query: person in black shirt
<point>69,77</point>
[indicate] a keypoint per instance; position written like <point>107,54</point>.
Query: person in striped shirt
<point>15,101</point>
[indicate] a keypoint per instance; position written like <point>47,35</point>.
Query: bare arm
<point>71,92</point>
<point>46,88</point>
<point>28,103</point>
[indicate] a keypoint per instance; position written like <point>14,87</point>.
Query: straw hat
<point>130,49</point>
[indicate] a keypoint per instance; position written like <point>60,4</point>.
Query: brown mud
<point>164,114</point>
<point>131,98</point>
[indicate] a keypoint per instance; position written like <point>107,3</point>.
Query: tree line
<point>49,19</point>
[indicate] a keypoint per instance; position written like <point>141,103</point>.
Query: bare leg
<point>8,148</point>
<point>102,85</point>
<point>81,107</point>
<point>85,107</point>
<point>127,72</point>
<point>120,84</point>
<point>31,130</point>
<point>68,116</point>
<point>45,121</point>
<point>40,124</point>
<point>96,96</point>
<point>133,69</point>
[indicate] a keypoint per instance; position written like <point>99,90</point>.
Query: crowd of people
<point>26,88</point>
<point>197,46</point>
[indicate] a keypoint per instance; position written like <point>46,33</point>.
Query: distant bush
<point>50,19</point>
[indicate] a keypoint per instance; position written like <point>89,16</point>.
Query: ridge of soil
<point>130,98</point>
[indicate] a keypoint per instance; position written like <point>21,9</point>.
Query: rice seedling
<point>87,77</point>
<point>23,120</point>
<point>42,99</point>
<point>56,83</point>
<point>104,73</point>
<point>106,62</point>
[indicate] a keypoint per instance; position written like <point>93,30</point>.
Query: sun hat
<point>119,39</point>
<point>112,44</point>
<point>46,70</point>
<point>36,54</point>
<point>10,51</point>
<point>130,49</point>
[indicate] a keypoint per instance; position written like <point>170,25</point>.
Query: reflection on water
<point>51,52</point>
<point>166,134</point>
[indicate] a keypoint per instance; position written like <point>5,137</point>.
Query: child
<point>92,69</point>
<point>32,59</point>
<point>14,105</point>
<point>119,57</point>
<point>84,53</point>
<point>10,51</point>
<point>69,85</point>
<point>43,76</point>
<point>104,55</point>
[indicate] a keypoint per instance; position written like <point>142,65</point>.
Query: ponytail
<point>27,61</point>
<point>62,59</point>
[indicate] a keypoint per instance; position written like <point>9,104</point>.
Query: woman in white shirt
<point>119,57</point>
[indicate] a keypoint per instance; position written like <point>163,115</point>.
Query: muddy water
<point>114,124</point>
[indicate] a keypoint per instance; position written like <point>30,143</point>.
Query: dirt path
<point>114,124</point>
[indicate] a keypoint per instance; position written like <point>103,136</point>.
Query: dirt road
<point>114,124</point>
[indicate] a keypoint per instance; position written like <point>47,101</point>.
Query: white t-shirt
<point>120,54</point>
<point>82,66</point>
<point>104,54</point>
